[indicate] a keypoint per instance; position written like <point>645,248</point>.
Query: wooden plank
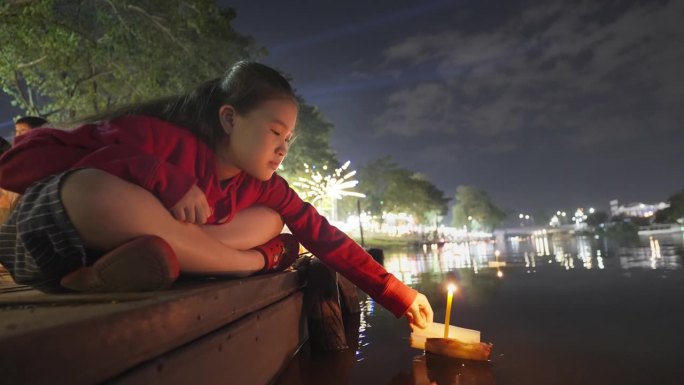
<point>252,350</point>
<point>349,296</point>
<point>326,324</point>
<point>85,344</point>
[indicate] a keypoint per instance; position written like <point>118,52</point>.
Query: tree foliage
<point>66,59</point>
<point>63,59</point>
<point>475,210</point>
<point>391,188</point>
<point>311,144</point>
<point>597,218</point>
<point>675,212</point>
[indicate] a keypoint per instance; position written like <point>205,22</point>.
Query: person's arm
<point>336,249</point>
<point>166,181</point>
<point>135,149</point>
<point>35,156</point>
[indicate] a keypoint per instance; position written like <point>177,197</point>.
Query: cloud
<point>580,74</point>
<point>427,106</point>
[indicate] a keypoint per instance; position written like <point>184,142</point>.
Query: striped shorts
<point>38,242</point>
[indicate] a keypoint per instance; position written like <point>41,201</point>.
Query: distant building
<point>636,209</point>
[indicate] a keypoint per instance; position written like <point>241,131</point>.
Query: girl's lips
<point>273,165</point>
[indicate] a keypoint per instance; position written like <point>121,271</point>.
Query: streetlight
<point>525,217</point>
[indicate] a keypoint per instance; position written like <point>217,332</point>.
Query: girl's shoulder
<point>150,130</point>
<point>148,124</point>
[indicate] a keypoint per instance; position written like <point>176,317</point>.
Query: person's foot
<point>146,263</point>
<point>279,253</point>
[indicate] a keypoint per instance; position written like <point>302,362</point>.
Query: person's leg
<point>108,211</point>
<point>249,228</point>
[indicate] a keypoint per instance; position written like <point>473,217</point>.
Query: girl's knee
<point>263,212</point>
<point>96,184</point>
<point>259,217</point>
<point>87,180</point>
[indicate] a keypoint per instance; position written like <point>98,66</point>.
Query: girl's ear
<point>227,117</point>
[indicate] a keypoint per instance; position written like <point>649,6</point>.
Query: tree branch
<point>21,66</point>
<point>159,25</point>
<point>20,94</point>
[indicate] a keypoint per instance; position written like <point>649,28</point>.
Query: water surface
<point>576,310</point>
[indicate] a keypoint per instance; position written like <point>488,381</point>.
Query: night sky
<point>543,104</point>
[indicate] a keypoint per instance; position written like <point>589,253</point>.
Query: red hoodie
<point>167,160</point>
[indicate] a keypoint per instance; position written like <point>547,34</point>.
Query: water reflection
<point>530,263</point>
<point>656,255</point>
<point>367,307</point>
<point>568,250</point>
<point>429,369</point>
<point>334,367</point>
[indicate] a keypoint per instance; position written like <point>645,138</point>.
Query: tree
<point>65,59</point>
<point>311,144</point>
<point>675,212</point>
<point>375,179</point>
<point>414,194</point>
<point>475,210</point>
<point>391,188</point>
<point>597,218</point>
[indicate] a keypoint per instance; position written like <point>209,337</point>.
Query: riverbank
<point>384,242</point>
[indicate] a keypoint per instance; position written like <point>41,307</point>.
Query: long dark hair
<point>244,86</point>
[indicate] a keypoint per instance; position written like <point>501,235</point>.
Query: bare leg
<point>249,228</point>
<point>108,211</point>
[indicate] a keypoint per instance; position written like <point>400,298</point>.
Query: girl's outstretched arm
<point>337,250</point>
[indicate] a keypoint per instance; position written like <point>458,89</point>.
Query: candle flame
<point>499,273</point>
<point>452,288</point>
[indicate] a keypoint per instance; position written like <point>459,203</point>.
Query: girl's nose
<point>282,149</point>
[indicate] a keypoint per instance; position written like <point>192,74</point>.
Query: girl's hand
<point>419,314</point>
<point>193,207</point>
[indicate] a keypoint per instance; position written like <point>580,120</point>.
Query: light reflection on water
<point>568,309</point>
<point>566,250</point>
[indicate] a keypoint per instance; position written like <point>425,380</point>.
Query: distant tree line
<point>391,188</point>
<point>674,213</point>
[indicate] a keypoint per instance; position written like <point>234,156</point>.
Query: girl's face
<point>257,141</point>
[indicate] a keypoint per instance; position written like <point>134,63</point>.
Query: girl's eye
<point>288,140</point>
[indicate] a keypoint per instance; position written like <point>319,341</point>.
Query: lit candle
<point>452,288</point>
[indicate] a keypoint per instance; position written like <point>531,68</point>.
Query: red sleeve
<point>166,181</point>
<point>133,148</point>
<point>35,156</point>
<point>335,248</point>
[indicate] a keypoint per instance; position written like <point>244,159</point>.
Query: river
<point>576,310</point>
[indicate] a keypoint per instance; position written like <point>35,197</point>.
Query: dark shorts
<point>38,242</point>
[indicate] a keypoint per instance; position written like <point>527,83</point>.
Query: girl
<point>185,183</point>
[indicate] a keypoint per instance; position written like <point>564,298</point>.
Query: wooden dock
<point>199,332</point>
